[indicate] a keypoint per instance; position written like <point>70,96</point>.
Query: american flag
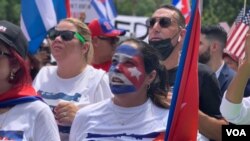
<point>237,35</point>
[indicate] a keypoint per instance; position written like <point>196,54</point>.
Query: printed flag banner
<point>184,6</point>
<point>237,35</point>
<point>183,117</point>
<point>38,16</point>
<point>93,9</point>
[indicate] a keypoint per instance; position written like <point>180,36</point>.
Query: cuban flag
<point>184,6</point>
<point>105,8</point>
<point>94,9</point>
<point>183,117</point>
<point>38,16</point>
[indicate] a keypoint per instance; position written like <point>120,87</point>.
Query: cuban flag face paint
<point>127,71</point>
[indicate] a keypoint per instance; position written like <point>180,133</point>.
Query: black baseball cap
<point>13,36</point>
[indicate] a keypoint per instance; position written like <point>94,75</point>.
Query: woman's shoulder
<point>96,74</point>
<point>159,111</point>
<point>35,105</point>
<point>94,71</point>
<point>95,107</point>
<point>47,71</point>
<point>32,108</point>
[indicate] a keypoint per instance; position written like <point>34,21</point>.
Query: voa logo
<point>236,132</point>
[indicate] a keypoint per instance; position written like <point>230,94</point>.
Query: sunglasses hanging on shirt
<point>66,35</point>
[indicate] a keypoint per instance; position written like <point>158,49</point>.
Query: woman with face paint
<point>139,108</point>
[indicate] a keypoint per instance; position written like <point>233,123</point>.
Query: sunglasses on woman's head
<point>164,22</point>
<point>66,35</point>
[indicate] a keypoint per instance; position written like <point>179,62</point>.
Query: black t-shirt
<point>210,94</point>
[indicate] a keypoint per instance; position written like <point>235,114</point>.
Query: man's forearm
<point>210,127</point>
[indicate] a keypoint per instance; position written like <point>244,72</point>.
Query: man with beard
<point>166,34</point>
<point>213,39</point>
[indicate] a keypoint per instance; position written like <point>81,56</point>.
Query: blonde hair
<point>83,29</point>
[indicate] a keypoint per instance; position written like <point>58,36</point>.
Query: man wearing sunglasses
<point>166,34</point>
<point>104,39</point>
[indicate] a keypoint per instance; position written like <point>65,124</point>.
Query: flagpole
<point>245,1</point>
<point>87,5</point>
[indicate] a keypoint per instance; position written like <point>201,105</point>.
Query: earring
<point>148,87</point>
<point>12,75</point>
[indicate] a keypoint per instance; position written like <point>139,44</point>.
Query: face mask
<point>164,47</point>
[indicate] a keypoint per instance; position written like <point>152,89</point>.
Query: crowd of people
<point>101,88</point>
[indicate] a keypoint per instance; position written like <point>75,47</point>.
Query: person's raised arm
<point>235,90</point>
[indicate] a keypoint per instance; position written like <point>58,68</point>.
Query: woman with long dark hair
<point>139,108</point>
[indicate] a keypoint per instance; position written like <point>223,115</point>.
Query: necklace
<point>4,112</point>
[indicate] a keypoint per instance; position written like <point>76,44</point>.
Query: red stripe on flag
<point>232,31</point>
<point>67,3</point>
<point>186,10</point>
<point>240,53</point>
<point>238,46</point>
<point>232,43</point>
<point>236,38</point>
<point>185,126</point>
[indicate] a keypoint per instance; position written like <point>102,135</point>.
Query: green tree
<point>215,11</point>
<point>10,10</point>
<point>138,7</point>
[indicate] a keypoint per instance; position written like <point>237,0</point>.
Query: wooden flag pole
<point>245,1</point>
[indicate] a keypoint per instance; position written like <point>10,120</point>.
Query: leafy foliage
<point>213,11</point>
<point>10,10</point>
<point>138,7</point>
<point>224,10</point>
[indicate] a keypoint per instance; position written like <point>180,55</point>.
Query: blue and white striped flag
<point>104,8</point>
<point>38,16</point>
<point>93,9</point>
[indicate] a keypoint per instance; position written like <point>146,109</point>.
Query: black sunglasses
<point>112,40</point>
<point>163,22</point>
<point>4,54</point>
<point>66,35</point>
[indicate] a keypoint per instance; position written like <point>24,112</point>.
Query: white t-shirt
<point>88,87</point>
<point>108,122</point>
<point>32,121</point>
<point>236,113</point>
